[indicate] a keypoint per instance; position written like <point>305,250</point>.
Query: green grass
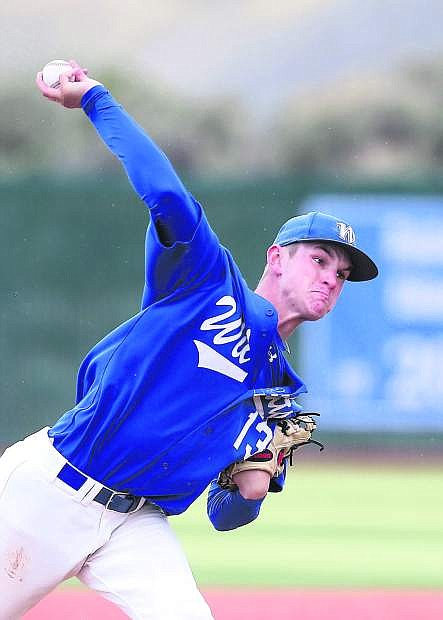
<point>335,526</point>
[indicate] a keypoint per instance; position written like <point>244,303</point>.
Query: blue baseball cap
<point>316,226</point>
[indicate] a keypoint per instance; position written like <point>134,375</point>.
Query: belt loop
<point>89,490</point>
<point>140,504</point>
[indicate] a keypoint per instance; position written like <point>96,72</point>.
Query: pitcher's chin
<point>318,310</point>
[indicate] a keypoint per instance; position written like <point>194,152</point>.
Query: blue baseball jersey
<point>183,388</point>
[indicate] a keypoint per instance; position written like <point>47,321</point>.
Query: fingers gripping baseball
<point>289,434</point>
<point>70,87</point>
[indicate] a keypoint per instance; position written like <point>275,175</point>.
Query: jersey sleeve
<point>228,510</point>
<point>183,265</point>
<point>175,215</point>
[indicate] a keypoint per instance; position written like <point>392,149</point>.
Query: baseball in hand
<point>52,71</point>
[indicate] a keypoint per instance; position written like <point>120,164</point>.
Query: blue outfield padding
<point>376,361</point>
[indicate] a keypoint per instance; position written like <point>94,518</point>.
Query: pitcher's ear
<point>274,259</point>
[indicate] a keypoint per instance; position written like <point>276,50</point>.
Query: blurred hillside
<point>234,87</point>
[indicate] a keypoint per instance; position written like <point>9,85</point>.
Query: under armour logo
<point>346,233</point>
<point>271,355</point>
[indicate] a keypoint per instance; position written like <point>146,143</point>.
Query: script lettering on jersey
<point>227,331</point>
<point>280,407</point>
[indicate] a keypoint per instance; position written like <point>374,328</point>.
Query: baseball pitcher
<point>193,391</point>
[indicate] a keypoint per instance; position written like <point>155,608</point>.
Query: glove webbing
<point>283,424</point>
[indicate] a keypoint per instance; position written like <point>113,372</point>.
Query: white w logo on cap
<point>346,233</point>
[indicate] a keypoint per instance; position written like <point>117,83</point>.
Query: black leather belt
<point>111,500</point>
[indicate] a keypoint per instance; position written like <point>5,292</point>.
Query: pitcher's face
<point>312,278</point>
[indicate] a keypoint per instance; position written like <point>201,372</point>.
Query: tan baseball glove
<point>289,434</point>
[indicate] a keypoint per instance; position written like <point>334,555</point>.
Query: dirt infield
<point>269,604</point>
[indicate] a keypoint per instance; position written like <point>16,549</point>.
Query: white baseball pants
<point>50,532</point>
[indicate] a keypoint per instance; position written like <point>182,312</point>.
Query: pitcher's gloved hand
<point>289,434</point>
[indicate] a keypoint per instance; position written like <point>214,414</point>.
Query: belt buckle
<point>117,493</point>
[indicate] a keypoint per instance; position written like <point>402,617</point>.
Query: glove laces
<point>284,425</point>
